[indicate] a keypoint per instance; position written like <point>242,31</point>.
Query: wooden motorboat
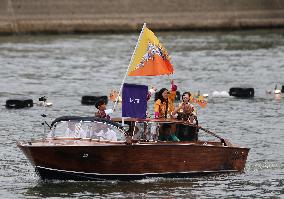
<point>88,152</point>
<point>88,148</point>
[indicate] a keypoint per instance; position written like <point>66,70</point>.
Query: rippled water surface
<point>66,67</point>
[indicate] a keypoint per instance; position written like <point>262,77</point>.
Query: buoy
<point>47,104</point>
<point>245,92</point>
<point>19,103</point>
<point>205,95</point>
<point>220,94</point>
<point>91,100</point>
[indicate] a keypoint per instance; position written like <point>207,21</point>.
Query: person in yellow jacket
<point>164,102</point>
<point>163,108</point>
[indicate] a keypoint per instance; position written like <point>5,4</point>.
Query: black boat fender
<point>245,92</point>
<point>92,100</point>
<point>19,103</point>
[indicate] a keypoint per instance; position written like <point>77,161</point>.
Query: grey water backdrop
<point>65,67</point>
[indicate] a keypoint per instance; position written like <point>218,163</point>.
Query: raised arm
<point>173,92</point>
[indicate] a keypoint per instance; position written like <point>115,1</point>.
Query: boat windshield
<point>87,129</point>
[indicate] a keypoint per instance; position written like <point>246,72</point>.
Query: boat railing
<point>145,130</point>
<point>129,130</point>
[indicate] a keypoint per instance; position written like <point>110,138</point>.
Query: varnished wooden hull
<point>92,161</point>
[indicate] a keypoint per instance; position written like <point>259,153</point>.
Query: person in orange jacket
<point>163,108</point>
<point>164,102</point>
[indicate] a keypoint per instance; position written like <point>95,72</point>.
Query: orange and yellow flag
<point>199,100</point>
<point>150,57</point>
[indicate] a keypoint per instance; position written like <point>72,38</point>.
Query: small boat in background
<point>89,148</point>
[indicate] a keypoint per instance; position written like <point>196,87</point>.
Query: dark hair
<point>160,96</point>
<point>189,94</point>
<point>99,103</point>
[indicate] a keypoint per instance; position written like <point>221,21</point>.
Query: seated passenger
<point>167,133</point>
<point>102,111</point>
<point>186,111</point>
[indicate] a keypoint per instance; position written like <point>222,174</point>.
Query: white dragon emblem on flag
<point>151,51</point>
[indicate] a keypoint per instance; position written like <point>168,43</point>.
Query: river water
<point>66,67</point>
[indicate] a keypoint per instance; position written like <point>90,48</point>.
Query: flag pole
<point>132,57</point>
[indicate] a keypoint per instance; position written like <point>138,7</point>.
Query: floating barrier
<point>19,103</point>
<point>92,100</point>
<point>244,92</point>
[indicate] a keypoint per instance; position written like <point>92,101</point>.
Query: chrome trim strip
<point>142,174</point>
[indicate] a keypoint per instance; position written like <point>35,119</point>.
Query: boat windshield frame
<point>82,127</point>
<point>85,119</point>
